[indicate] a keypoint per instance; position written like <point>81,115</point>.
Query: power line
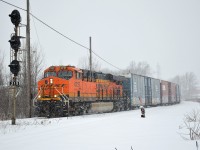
<point>106,61</point>
<point>61,34</point>
<point>13,5</point>
<point>36,33</point>
<point>74,42</point>
<point>47,25</point>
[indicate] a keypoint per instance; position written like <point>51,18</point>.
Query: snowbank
<point>121,130</point>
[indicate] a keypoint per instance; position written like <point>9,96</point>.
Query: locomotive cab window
<point>78,75</point>
<point>65,74</point>
<point>48,74</point>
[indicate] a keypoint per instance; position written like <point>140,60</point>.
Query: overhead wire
<point>36,33</point>
<point>75,42</point>
<point>61,34</point>
<point>105,60</point>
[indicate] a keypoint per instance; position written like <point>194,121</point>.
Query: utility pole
<point>90,62</point>
<point>28,61</point>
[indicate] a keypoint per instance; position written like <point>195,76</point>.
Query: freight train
<point>67,90</point>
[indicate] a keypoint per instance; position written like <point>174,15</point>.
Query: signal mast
<point>15,45</point>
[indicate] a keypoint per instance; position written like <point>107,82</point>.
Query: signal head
<point>15,42</point>
<point>15,17</point>
<point>14,67</point>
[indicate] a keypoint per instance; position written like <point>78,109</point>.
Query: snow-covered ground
<point>111,131</point>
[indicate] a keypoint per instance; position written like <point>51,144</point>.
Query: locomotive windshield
<point>48,74</point>
<point>65,74</point>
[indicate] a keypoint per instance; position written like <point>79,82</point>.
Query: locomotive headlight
<point>55,95</point>
<point>39,96</point>
<point>51,81</point>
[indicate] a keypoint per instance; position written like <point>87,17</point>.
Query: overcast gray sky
<point>164,32</point>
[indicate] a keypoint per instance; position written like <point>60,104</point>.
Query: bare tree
<point>158,71</point>
<point>4,99</point>
<point>141,68</point>
<point>84,64</point>
<point>188,84</point>
<point>190,130</point>
<point>2,71</point>
<point>37,66</point>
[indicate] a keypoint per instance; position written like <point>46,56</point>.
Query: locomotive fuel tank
<point>101,107</point>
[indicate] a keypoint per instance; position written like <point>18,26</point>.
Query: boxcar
<point>155,86</point>
<point>145,91</point>
<point>172,92</point>
<point>137,90</point>
<point>148,91</point>
<point>178,96</point>
<point>164,92</point>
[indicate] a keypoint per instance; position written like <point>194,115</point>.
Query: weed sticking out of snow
<point>21,124</point>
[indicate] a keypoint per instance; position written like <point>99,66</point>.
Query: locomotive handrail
<point>66,100</point>
<point>61,94</point>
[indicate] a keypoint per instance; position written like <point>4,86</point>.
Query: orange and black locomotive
<point>67,90</point>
